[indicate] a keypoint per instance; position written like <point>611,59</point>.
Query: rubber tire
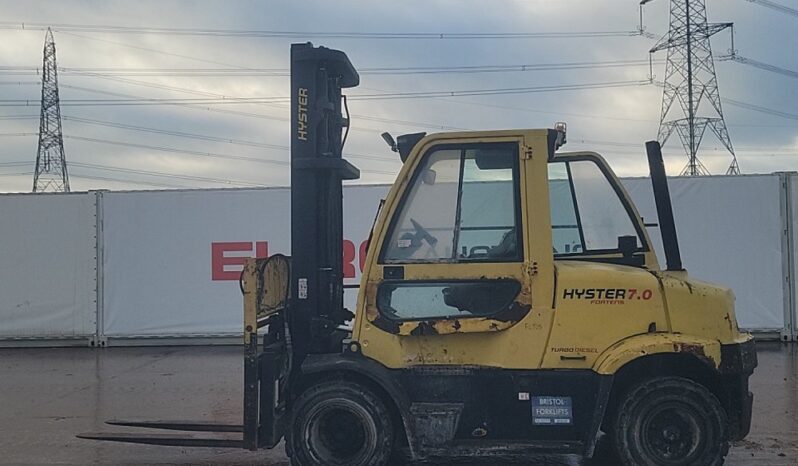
<point>349,395</point>
<point>631,412</point>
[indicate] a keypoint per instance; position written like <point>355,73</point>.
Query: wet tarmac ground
<point>49,395</point>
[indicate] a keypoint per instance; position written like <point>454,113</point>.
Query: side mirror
<point>627,245</point>
<point>428,177</point>
<point>386,136</point>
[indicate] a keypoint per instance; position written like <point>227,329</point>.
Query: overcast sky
<point>613,121</point>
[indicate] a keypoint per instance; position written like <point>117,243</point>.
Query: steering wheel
<point>422,233</point>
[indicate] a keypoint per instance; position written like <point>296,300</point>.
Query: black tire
<point>340,423</point>
<point>670,421</point>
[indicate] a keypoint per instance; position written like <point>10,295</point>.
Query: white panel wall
<point>168,258</point>
<point>360,209</point>
<point>729,232</point>
<point>47,266</point>
<point>158,260</point>
<point>791,208</point>
<point>159,254</point>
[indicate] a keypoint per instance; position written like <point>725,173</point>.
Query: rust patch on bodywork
<point>696,350</point>
<point>386,325</point>
<point>372,314</point>
<point>515,312</point>
<point>424,328</point>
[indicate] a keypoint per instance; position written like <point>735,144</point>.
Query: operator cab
<point>463,199</point>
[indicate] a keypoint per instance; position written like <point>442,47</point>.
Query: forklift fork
<point>266,368</point>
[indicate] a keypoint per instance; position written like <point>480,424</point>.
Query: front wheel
<point>340,423</point>
<point>670,421</point>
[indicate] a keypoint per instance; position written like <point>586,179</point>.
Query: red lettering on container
<point>220,260</point>
<point>349,257</point>
<point>225,266</point>
<point>364,246</point>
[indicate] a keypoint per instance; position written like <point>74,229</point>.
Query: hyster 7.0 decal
<point>607,295</point>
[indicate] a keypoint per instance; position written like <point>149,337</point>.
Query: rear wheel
<point>340,423</point>
<point>670,421</point>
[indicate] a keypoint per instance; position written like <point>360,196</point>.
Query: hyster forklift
<point>511,303</point>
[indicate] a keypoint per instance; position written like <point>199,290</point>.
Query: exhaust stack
<point>662,198</point>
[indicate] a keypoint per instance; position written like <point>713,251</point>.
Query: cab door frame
<point>392,340</point>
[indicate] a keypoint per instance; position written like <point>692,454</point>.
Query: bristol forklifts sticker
<point>607,295</point>
<point>302,288</point>
<point>552,411</point>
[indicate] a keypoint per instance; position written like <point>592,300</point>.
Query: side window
<point>566,234</point>
<point>413,300</point>
<point>462,206</point>
<point>587,215</point>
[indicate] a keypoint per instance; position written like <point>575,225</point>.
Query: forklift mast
<point>278,332</point>
<point>318,75</point>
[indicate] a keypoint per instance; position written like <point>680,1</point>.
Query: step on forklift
<point>511,303</point>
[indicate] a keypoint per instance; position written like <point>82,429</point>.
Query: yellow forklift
<point>511,303</point>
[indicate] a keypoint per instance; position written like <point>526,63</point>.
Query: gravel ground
<point>49,395</point>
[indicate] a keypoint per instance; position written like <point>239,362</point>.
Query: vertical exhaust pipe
<point>662,198</point>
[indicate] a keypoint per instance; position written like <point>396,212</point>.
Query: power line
<point>499,91</point>
<point>143,101</point>
<point>193,106</point>
<point>135,182</point>
<point>15,164</point>
<point>757,108</point>
<point>416,124</point>
<point>233,112</point>
<point>202,154</point>
<point>162,174</point>
<point>385,96</point>
<point>284,72</point>
<point>280,106</point>
<point>136,82</point>
<point>177,151</point>
<point>204,137</point>
<point>776,6</point>
<point>19,117</point>
<point>762,65</point>
<point>236,66</point>
<point>197,92</point>
<point>95,28</point>
<point>147,49</point>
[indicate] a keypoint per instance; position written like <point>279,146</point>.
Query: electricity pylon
<point>690,80</point>
<point>51,169</point>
